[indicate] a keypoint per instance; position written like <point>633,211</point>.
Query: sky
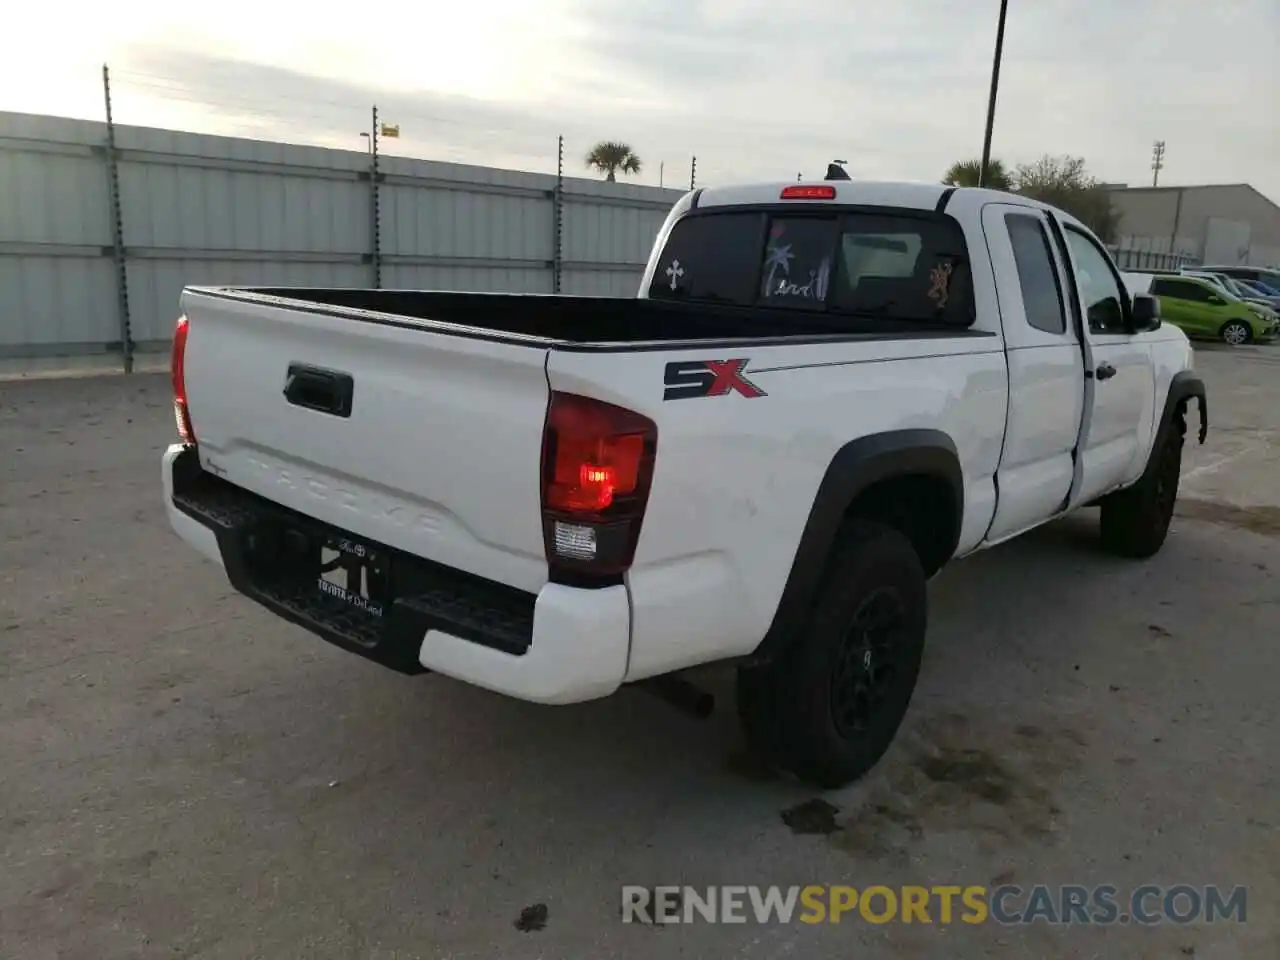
<point>755,89</point>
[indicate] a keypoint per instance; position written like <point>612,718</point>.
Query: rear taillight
<point>177,369</point>
<point>597,467</point>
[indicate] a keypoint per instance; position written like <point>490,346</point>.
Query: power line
<point>148,99</point>
<point>290,112</point>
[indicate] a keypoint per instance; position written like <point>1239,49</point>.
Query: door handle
<point>1105,371</point>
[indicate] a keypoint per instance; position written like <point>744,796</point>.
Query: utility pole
<point>118,252</point>
<point>557,259</point>
<point>377,213</point>
<point>693,173</point>
<point>1157,162</point>
<point>991,99</point>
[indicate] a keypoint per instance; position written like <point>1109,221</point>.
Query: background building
<point>1224,224</point>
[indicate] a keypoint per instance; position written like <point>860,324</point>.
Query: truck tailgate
<point>423,440</point>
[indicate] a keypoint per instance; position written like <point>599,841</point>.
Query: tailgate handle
<point>326,391</point>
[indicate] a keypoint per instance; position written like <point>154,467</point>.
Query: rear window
<point>890,265</point>
<point>705,256</point>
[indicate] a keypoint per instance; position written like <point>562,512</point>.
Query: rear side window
<point>1041,294</point>
<point>1180,290</point>
<point>895,266</point>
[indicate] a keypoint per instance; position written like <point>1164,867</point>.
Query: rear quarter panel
<point>1171,353</point>
<point>735,477</point>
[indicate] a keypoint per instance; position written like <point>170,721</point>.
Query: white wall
<point>198,209</point>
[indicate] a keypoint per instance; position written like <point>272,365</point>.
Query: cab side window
<point>1103,299</point>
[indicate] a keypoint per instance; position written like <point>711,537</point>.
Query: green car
<point>1203,310</point>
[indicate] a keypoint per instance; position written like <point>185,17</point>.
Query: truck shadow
<point>1004,718</point>
<point>180,762</point>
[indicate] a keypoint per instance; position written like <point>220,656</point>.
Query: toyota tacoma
<point>822,394</point>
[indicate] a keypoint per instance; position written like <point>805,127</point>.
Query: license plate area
<point>330,576</point>
<point>275,556</point>
<point>354,573</point>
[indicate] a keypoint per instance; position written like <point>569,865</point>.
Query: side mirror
<point>1146,312</point>
<point>1216,300</point>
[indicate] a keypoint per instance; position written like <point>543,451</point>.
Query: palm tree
<point>609,156</point>
<point>964,173</point>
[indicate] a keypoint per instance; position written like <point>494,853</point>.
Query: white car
<point>823,394</point>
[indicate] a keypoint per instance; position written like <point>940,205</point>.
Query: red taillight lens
<point>590,471</point>
<point>597,467</point>
<point>177,370</point>
<point>806,192</point>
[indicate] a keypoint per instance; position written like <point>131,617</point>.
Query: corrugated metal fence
<point>1132,253</point>
<point>97,241</point>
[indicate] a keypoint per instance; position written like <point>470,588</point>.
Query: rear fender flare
<point>855,468</point>
<point>1185,386</point>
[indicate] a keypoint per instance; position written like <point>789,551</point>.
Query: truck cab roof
<point>901,194</point>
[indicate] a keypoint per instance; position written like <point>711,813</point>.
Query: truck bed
<point>585,322</point>
<point>412,424</point>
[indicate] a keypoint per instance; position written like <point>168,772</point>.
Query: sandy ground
<point>182,775</point>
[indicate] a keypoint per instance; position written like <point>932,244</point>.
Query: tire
<point>831,704</point>
<point>1236,333</point>
<point>1135,521</point>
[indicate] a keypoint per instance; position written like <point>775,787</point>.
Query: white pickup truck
<point>823,393</point>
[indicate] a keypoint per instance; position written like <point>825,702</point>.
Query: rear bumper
<point>563,645</point>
